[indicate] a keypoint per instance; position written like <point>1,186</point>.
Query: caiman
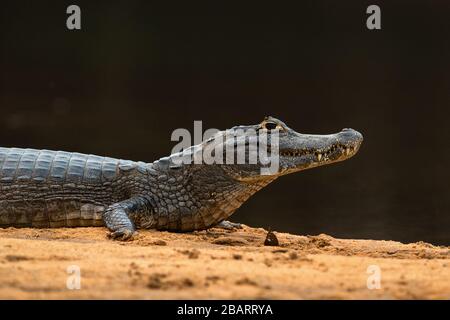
<point>52,189</point>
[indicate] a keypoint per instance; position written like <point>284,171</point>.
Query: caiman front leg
<point>118,218</point>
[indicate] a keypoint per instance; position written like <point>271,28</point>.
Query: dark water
<point>138,69</point>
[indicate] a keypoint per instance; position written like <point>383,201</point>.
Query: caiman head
<point>299,151</point>
<point>266,150</point>
<point>287,151</point>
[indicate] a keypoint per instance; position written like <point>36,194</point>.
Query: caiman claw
<point>122,235</point>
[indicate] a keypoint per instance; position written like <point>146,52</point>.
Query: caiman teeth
<point>322,155</point>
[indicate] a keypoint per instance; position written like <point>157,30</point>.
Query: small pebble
<point>271,239</point>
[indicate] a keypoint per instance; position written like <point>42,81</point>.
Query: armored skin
<point>46,189</point>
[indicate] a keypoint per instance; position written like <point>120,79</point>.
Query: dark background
<point>138,69</point>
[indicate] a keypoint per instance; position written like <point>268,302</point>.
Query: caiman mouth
<point>322,154</point>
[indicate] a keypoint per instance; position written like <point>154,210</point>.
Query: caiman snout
<point>346,145</point>
<point>351,137</point>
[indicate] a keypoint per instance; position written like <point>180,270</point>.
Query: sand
<point>216,264</point>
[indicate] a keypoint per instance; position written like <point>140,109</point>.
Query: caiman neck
<point>208,194</point>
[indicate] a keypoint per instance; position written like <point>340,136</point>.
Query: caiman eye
<point>270,125</point>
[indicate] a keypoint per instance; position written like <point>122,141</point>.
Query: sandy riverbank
<point>216,264</point>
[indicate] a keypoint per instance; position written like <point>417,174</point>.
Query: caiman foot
<point>228,225</point>
<point>122,235</point>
